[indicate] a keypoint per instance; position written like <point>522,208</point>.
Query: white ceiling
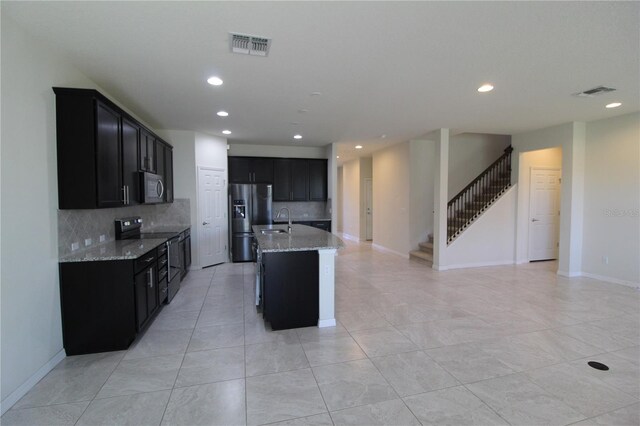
<point>401,69</point>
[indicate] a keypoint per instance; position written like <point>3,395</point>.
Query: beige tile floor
<point>498,345</point>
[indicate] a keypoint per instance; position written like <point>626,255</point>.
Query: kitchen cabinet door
<point>262,169</point>
<point>110,193</point>
<point>130,152</point>
<point>160,166</point>
<point>168,172</point>
<point>282,179</point>
<point>147,152</point>
<point>142,303</point>
<point>317,180</point>
<point>299,180</point>
<point>152,290</point>
<point>239,170</point>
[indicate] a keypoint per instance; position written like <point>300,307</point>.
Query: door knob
<point>535,220</point>
<point>205,223</point>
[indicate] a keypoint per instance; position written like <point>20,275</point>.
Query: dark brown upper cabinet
<point>99,151</point>
<point>250,170</point>
<point>317,180</point>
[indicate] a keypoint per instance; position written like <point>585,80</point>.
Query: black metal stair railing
<point>465,207</point>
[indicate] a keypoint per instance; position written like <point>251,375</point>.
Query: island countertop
<point>301,238</point>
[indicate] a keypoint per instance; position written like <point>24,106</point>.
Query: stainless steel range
<point>129,228</point>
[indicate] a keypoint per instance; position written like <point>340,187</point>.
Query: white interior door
<point>368,194</point>
<point>544,214</point>
<point>212,216</point>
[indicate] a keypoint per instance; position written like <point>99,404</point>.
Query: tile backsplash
<point>301,210</point>
<point>76,226</point>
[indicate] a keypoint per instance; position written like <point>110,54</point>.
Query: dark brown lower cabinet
<point>105,303</point>
<point>291,289</point>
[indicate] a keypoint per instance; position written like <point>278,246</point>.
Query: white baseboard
<point>568,274</point>
<point>611,280</point>
<point>473,265</point>
<point>388,250</point>
<point>350,237</point>
<point>22,390</point>
<point>327,323</point>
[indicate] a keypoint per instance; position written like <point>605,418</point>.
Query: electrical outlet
<point>306,215</point>
<point>102,238</point>
<point>75,246</point>
<point>87,242</point>
<point>605,260</point>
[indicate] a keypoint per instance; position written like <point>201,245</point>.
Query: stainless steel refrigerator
<point>250,204</point>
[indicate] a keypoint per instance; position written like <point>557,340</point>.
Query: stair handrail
<point>507,154</point>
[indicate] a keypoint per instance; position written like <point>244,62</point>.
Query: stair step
<point>421,256</point>
<point>426,247</point>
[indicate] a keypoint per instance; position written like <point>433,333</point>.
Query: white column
<point>332,153</point>
<point>326,263</point>
<point>440,199</point>
<point>572,202</point>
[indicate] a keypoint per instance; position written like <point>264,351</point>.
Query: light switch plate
<point>87,242</point>
<point>75,246</point>
<point>102,238</point>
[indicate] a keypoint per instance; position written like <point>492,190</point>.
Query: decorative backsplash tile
<point>76,226</point>
<point>300,210</point>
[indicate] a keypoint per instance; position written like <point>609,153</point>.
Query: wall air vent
<point>595,91</point>
<point>249,45</point>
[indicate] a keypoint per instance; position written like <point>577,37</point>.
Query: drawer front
<point>162,250</point>
<point>163,288</point>
<point>145,260</point>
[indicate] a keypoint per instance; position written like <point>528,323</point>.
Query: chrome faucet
<point>288,217</point>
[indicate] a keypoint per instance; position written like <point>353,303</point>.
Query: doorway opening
<point>541,180</point>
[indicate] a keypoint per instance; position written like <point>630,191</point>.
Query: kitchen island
<point>297,274</point>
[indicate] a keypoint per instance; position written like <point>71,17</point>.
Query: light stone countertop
<point>301,238</point>
<point>114,250</point>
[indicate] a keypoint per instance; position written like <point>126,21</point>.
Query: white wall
<point>31,329</point>
<point>612,199</point>
<point>248,150</point>
<point>391,193</point>
<point>190,150</point>
<point>338,208</point>
<point>489,240</point>
<point>570,137</point>
<point>422,180</point>
<point>550,157</point>
<point>470,154</point>
<point>351,198</point>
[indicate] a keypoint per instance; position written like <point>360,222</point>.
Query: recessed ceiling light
<point>294,123</point>
<point>383,136</point>
<point>222,113</point>
<point>297,137</point>
<point>226,132</point>
<point>303,110</point>
<point>316,93</point>
<point>337,156</point>
<point>358,146</point>
<point>485,88</point>
<point>613,105</point>
<point>214,81</point>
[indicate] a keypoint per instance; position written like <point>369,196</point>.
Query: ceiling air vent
<point>595,91</point>
<point>249,45</point>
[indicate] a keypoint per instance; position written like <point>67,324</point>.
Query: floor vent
<point>249,45</point>
<point>595,91</point>
<point>598,365</point>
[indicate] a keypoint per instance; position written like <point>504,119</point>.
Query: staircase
<point>425,254</point>
<point>471,202</point>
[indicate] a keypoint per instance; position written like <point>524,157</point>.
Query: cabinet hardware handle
<point>205,223</point>
<point>151,278</point>
<point>535,220</point>
<point>149,259</point>
<point>124,194</point>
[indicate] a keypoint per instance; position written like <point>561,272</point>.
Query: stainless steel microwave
<point>152,188</point>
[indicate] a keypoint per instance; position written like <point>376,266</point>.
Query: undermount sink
<point>273,231</point>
